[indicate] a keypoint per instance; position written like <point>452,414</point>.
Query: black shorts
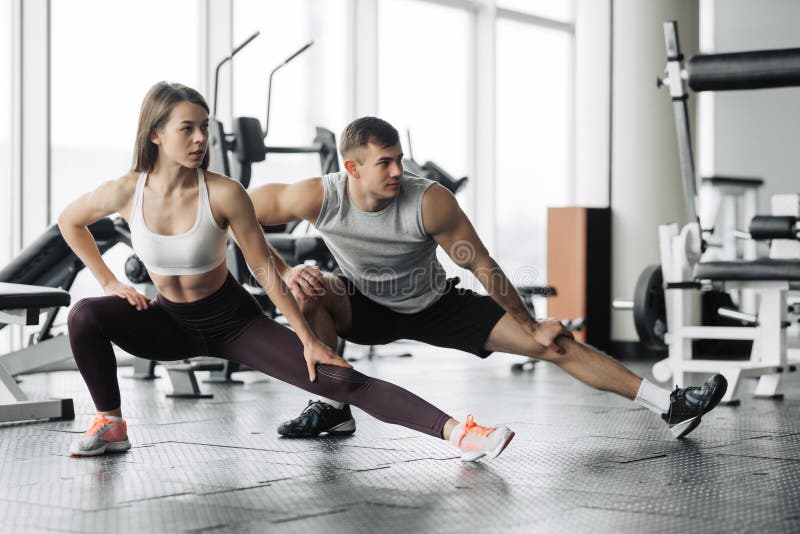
<point>461,319</point>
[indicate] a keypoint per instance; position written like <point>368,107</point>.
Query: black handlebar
<point>221,63</point>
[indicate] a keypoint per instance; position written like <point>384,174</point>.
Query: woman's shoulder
<point>221,183</point>
<point>127,180</point>
<point>114,194</point>
<point>223,192</point>
<point>124,186</point>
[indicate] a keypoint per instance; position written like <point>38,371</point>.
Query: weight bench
<point>772,279</point>
<point>182,376</point>
<point>21,304</point>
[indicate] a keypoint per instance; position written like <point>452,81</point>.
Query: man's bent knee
<point>310,307</point>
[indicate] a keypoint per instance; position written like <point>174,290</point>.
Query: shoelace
<point>681,394</point>
<point>316,407</point>
<point>98,423</point>
<point>471,427</point>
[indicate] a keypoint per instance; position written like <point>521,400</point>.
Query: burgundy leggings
<point>227,324</point>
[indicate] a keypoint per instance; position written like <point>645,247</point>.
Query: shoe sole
<point>500,448</point>
<point>342,429</point>
<point>472,456</point>
<point>348,427</point>
<point>114,446</point>
<point>494,453</point>
<point>683,428</point>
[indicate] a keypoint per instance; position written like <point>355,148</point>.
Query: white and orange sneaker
<point>476,441</point>
<point>105,435</point>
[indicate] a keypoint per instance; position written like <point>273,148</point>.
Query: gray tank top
<point>386,254</point>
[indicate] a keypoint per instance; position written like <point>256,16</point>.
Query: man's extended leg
<point>583,362</point>
<point>681,408</point>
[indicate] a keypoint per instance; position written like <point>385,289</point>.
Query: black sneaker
<point>687,405</point>
<point>319,417</point>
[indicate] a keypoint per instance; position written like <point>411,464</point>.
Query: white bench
<point>21,304</point>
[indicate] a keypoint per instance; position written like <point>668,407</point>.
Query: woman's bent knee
<point>83,315</point>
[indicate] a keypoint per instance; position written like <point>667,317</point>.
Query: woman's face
<point>184,138</point>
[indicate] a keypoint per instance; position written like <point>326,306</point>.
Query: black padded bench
<point>762,269</point>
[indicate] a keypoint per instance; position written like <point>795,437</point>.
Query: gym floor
<point>582,461</point>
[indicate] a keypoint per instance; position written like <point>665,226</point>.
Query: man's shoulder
<point>416,189</point>
<point>415,179</point>
<point>333,179</point>
<point>437,196</point>
<point>331,188</point>
<point>308,190</point>
<point>439,209</point>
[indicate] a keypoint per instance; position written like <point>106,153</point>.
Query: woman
<point>179,215</point>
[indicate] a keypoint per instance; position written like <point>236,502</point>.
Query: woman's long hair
<point>156,108</point>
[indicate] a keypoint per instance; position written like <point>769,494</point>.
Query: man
<point>383,227</point>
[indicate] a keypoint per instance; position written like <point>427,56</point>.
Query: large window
<point>424,85</point>
<point>5,130</point>
<point>104,58</point>
<point>534,146</point>
<point>561,10</point>
<point>6,79</point>
<point>308,92</point>
<point>424,79</point>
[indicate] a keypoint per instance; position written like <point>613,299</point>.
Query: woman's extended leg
<point>275,350</point>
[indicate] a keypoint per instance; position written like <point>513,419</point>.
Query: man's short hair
<point>367,130</point>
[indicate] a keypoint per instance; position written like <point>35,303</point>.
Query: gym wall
<point>645,176</point>
<point>755,133</point>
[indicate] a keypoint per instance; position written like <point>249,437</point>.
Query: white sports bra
<point>197,251</point>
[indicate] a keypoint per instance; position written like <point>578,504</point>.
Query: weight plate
<point>649,308</point>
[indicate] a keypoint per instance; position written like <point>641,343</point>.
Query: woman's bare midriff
<point>190,287</point>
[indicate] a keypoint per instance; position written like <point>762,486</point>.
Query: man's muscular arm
<point>446,223</point>
<point>449,226</point>
<point>284,203</point>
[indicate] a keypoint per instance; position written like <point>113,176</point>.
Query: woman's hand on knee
<point>318,352</point>
<point>118,289</point>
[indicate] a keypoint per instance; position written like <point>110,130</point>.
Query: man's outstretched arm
<point>283,203</point>
<point>446,223</point>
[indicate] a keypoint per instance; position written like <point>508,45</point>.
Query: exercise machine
<point>684,275</point>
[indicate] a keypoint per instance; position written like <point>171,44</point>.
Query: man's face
<point>379,170</point>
